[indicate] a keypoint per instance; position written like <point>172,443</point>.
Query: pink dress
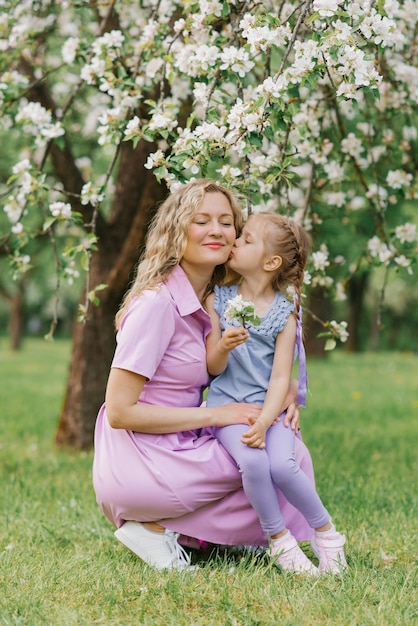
<point>185,480</point>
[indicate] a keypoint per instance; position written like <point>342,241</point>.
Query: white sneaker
<point>330,552</point>
<point>289,557</point>
<point>160,550</point>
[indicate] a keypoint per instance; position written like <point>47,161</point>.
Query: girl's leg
<point>254,466</point>
<point>291,480</point>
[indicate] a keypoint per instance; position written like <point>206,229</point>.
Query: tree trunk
<point>317,309</point>
<point>15,300</point>
<point>356,290</point>
<point>120,242</point>
<point>17,318</point>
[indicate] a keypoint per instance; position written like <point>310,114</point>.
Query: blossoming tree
<point>307,107</point>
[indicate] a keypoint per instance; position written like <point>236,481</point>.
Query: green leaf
<point>48,223</point>
<point>330,344</point>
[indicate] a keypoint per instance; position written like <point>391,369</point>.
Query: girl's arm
<point>219,345</point>
<point>124,411</point>
<point>277,392</point>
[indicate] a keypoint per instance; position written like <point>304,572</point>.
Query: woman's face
<point>211,234</point>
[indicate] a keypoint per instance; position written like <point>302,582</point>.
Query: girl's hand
<point>235,413</point>
<point>234,337</point>
<point>255,437</point>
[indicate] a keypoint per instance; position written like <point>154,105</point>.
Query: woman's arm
<point>278,388</point>
<point>219,345</point>
<point>124,411</point>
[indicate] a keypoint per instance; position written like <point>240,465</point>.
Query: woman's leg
<point>291,480</point>
<point>254,466</point>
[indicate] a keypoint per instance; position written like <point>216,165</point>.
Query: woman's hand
<point>292,417</point>
<point>236,413</point>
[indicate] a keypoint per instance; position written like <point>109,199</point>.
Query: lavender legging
<point>262,469</point>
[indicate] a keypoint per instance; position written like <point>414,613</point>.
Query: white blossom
<point>60,209</point>
<point>326,8</point>
<point>69,50</point>
<point>398,179</point>
<point>352,145</point>
<point>406,233</point>
<point>320,258</point>
<point>237,60</point>
<point>340,330</point>
<point>340,293</point>
<point>402,261</point>
<point>90,194</point>
<point>21,167</point>
<point>380,249</point>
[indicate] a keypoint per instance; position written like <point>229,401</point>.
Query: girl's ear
<point>273,263</point>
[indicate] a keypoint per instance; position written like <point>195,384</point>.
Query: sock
<point>281,539</point>
<point>330,531</point>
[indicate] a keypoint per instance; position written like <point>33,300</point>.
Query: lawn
<point>61,566</point>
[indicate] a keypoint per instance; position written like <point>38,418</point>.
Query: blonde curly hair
<point>167,238</point>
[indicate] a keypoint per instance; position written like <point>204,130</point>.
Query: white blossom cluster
<point>307,107</point>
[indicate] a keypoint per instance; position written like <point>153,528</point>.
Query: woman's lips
<point>214,245</point>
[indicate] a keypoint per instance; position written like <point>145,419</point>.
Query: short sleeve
<point>146,330</point>
<point>283,309</point>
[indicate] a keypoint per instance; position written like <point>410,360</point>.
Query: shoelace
<point>182,559</point>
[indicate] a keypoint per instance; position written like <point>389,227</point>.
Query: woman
<point>157,470</point>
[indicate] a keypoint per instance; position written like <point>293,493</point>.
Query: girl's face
<point>211,234</point>
<point>249,253</point>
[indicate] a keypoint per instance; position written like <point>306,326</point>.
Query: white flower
<point>35,113</point>
<point>243,310</point>
<point>409,133</point>
<point>334,171</point>
<point>153,66</point>
<point>21,167</point>
<point>340,294</point>
<point>211,7</point>
<point>69,49</point>
<point>378,248</point>
<point>13,211</point>
<point>132,126</point>
<point>154,160</point>
<point>236,59</point>
<point>320,258</point>
<point>60,209</point>
<point>326,8</point>
<point>90,194</point>
<point>52,130</point>
<point>352,145</point>
<point>206,56</point>
<point>406,233</point>
<point>340,330</point>
<point>159,121</point>
<point>398,178</point>
<point>402,261</point>
<point>336,198</point>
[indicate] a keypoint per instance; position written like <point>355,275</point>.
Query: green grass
<point>60,564</point>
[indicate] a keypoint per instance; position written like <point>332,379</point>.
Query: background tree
<point>305,107</point>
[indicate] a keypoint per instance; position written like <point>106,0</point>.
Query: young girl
<point>254,364</point>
